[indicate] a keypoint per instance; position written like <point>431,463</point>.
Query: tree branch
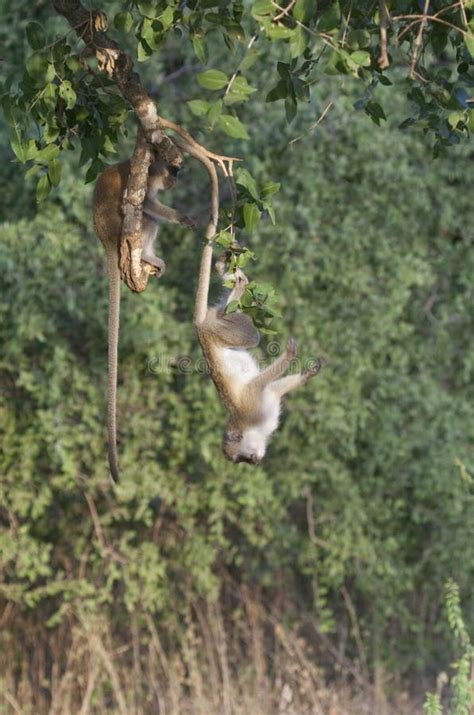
<point>384,24</point>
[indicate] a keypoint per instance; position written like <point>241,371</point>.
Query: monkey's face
<point>165,174</point>
<point>248,446</point>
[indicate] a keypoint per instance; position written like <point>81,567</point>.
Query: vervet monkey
<point>251,396</point>
<point>107,209</point>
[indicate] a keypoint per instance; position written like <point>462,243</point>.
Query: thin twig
<point>430,18</point>
<point>327,39</point>
<point>418,40</point>
<point>314,125</point>
<point>105,548</point>
<point>384,24</point>
<point>13,702</point>
<point>285,11</point>
<point>346,25</point>
<point>232,79</point>
<point>310,520</point>
<point>355,627</point>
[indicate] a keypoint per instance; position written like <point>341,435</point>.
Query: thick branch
<point>135,271</point>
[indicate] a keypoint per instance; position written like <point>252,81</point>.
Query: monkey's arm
<point>157,211</point>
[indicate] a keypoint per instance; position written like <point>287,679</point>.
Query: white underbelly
<point>238,364</point>
<point>270,411</point>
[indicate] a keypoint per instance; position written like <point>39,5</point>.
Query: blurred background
<point>314,583</point>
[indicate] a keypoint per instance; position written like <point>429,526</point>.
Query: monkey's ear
<point>232,436</point>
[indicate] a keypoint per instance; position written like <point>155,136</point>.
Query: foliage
<point>56,101</point>
<point>462,687</point>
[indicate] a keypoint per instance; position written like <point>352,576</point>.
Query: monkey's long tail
<point>114,318</point>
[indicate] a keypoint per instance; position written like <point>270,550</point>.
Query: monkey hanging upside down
<point>251,396</point>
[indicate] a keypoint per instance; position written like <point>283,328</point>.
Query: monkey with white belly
<point>251,396</point>
<point>108,218</point>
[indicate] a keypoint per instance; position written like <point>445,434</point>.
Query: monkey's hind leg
<point>290,382</point>
<point>277,368</point>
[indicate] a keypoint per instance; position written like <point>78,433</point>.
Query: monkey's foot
<point>241,279</point>
<point>155,267</point>
<point>313,370</point>
<point>291,348</point>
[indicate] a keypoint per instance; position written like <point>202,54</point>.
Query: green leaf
<point>31,150</point>
<point>232,306</point>
<point>280,91</point>
<point>147,8</point>
<point>51,132</point>
<point>73,64</point>
<point>166,18</point>
<point>357,39</point>
<point>144,51</point>
<point>262,7</point>
<point>304,10</point>
<point>361,58</point>
<point>276,32</point>
<point>43,188</point>
<point>331,19</point>
<point>48,153</point>
<point>249,60</point>
<point>200,49</point>
<point>212,79</point>
<point>233,126</point>
<point>268,189</point>
<point>199,107</point>
<point>20,149</point>
<point>375,112</point>
<point>67,93</point>
<point>469,41</point>
<point>123,21</point>
<point>39,68</point>
<point>50,95</point>
<point>456,117</point>
<point>224,238</point>
<point>54,172</point>
<point>298,42</point>
<point>35,35</point>
<point>251,216</point>
<point>214,112</point>
<point>290,109</point>
<point>12,115</point>
<point>245,179</point>
<point>239,91</point>
<point>271,211</point>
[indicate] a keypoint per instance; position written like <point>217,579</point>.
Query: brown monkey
<point>251,396</point>
<point>107,209</point>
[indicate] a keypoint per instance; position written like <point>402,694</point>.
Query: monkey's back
<point>107,203</point>
<point>224,341</point>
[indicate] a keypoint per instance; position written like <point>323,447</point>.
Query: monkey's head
<point>164,174</point>
<point>247,446</point>
<point>166,165</point>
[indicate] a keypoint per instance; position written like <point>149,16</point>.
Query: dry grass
<point>249,663</point>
